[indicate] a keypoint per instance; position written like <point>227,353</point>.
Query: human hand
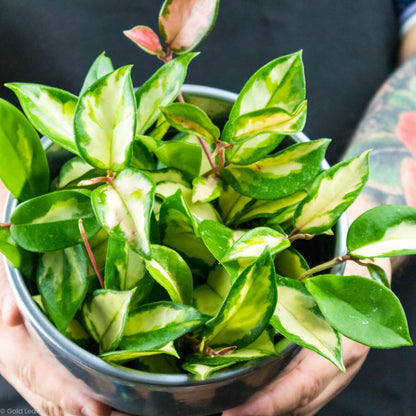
<point>38,378</point>
<point>309,381</point>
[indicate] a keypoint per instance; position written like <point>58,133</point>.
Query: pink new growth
<point>145,38</point>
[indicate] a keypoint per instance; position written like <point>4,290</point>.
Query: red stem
<point>90,253</point>
<point>5,224</point>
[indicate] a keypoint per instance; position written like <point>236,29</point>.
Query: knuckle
<point>49,408</point>
<point>26,372</point>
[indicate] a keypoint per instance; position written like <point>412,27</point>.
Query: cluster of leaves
<point>189,226</point>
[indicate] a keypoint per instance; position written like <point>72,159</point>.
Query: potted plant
<point>164,242</point>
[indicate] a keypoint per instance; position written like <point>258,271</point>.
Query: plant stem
<point>100,179</point>
<point>5,224</point>
<point>294,237</point>
<point>90,253</point>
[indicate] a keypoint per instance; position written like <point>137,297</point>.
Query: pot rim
<point>49,333</point>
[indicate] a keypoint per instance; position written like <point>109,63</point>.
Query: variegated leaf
<point>254,149</point>
<point>361,309</point>
<point>248,307</point>
<point>290,263</point>
<point>105,316</point>
<point>159,364</point>
<point>179,230</point>
<point>124,208</point>
<point>384,231</point>
<point>61,279</point>
<point>298,318</point>
<point>50,110</point>
<point>189,118</point>
<point>50,222</point>
<point>206,189</point>
<point>270,208</point>
<point>209,296</point>
<point>280,83</point>
<point>20,258</point>
<point>105,121</point>
<point>267,120</point>
<point>23,165</point>
<point>331,194</point>
<point>125,270</point>
<point>145,38</point>
<point>169,269</point>
<point>120,357</point>
<point>262,347</point>
<point>279,175</point>
<point>155,324</point>
<point>74,171</point>
<point>168,175</point>
<point>232,204</point>
<point>184,23</point>
<point>100,67</point>
<point>204,371</point>
<point>247,248</point>
<point>160,90</point>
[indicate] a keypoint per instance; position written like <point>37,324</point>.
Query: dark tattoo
<point>389,129</point>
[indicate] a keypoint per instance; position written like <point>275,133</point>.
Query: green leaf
<point>20,258</point>
<point>168,175</point>
<point>180,155</point>
<point>76,170</point>
<point>378,274</point>
<point>298,318</point>
<point>189,118</point>
<point>120,357</point>
<point>160,90</point>
<point>105,317</point>
<point>280,83</point>
<point>23,165</point>
<point>169,269</point>
<point>50,222</point>
<point>209,296</point>
<point>206,189</point>
<point>331,194</point>
<point>156,324</point>
<point>217,237</point>
<point>61,279</point>
<point>179,230</point>
<point>290,263</point>
<point>141,157</point>
<point>383,231</point>
<point>247,248</point>
<point>361,309</point>
<point>100,67</point>
<point>125,270</point>
<point>248,307</point>
<point>50,110</point>
<point>267,120</point>
<point>105,121</point>
<point>184,24</point>
<point>279,175</point>
<point>124,208</point>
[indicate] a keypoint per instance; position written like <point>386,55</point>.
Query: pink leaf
<point>145,38</point>
<point>408,176</point>
<point>184,23</point>
<point>406,130</point>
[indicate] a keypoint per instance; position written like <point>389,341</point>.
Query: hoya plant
<point>167,243</point>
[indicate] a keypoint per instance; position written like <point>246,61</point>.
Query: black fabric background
<point>349,49</point>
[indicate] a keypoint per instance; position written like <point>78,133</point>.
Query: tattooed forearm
<point>389,129</point>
